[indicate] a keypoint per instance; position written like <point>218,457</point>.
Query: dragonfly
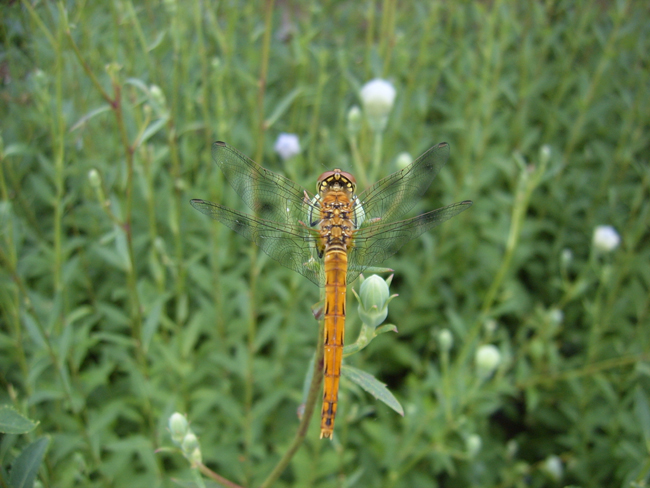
<point>329,237</point>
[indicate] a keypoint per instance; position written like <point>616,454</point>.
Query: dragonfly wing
<point>290,245</point>
<point>375,242</point>
<point>268,194</point>
<point>393,196</point>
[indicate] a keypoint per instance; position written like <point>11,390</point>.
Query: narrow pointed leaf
<point>643,414</point>
<point>12,422</point>
<point>25,467</point>
<point>373,386</point>
<point>282,107</point>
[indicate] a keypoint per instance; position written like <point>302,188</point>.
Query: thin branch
<point>312,397</point>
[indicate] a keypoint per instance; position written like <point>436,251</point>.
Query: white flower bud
<point>190,443</point>
<point>354,120</point>
<point>566,257</point>
<point>606,238</point>
<point>487,358</point>
<point>287,145</point>
<point>473,444</point>
<point>403,160</point>
<point>94,179</point>
<point>554,467</point>
<point>511,448</point>
<point>377,97</point>
<point>556,315</point>
<point>490,325</point>
<point>545,153</point>
<point>374,296</point>
<point>178,426</point>
<point>445,340</point>
<point>191,448</point>
<point>157,97</point>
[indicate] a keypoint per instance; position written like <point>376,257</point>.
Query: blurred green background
<point>120,304</point>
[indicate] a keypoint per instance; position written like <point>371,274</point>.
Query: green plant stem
<point>312,397</point>
<point>323,58</point>
<point>528,181</point>
<point>264,68</point>
<point>127,225</point>
<point>58,136</point>
<point>377,140</point>
<point>446,384</point>
<point>250,356</point>
<point>357,160</point>
<point>205,71</point>
<point>387,34</point>
<point>216,477</point>
<point>11,259</point>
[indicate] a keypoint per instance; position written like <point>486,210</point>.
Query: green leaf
<point>25,467</point>
<point>82,121</point>
<point>308,376</point>
<point>376,269</point>
<point>152,321</point>
<point>152,128</point>
<point>12,422</point>
<point>373,386</point>
<point>643,414</point>
<point>382,329</point>
<point>283,106</point>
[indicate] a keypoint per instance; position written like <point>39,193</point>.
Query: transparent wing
<point>270,195</point>
<point>377,241</point>
<point>391,197</point>
<point>292,245</point>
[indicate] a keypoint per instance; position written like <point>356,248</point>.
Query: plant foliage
<point>120,304</point>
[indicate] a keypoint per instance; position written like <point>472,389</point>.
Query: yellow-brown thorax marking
<point>336,191</point>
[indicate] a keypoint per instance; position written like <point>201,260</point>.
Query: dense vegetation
<point>120,304</point>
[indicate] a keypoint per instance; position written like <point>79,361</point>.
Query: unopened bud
<point>354,120</point>
<point>403,160</point>
<point>374,296</point>
<point>178,426</point>
<point>488,358</point>
<point>94,179</point>
<point>445,340</point>
<point>473,444</point>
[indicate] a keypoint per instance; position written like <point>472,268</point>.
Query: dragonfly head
<point>336,180</point>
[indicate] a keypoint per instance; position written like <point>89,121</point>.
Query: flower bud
<point>490,325</point>
<point>192,448</point>
<point>473,445</point>
<point>377,97</point>
<point>403,160</point>
<point>157,97</point>
<point>606,238</point>
<point>545,153</point>
<point>354,120</point>
<point>374,296</point>
<point>487,358</point>
<point>556,316</point>
<point>553,467</point>
<point>511,448</point>
<point>445,340</point>
<point>190,442</point>
<point>566,257</point>
<point>287,145</point>
<point>94,179</point>
<point>178,426</point>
